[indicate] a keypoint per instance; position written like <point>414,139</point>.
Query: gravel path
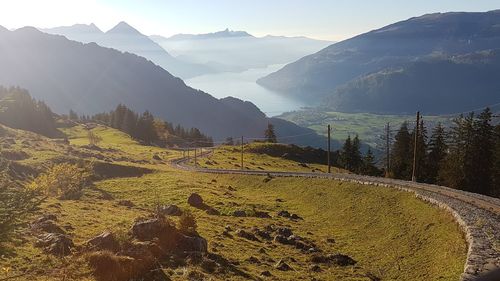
<point>478,215</point>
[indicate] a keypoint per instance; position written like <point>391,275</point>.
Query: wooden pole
<point>328,156</point>
<point>387,149</point>
<point>242,152</point>
<point>195,163</point>
<point>414,170</point>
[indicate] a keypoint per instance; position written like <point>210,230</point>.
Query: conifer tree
<point>400,154</point>
<point>437,153</point>
<point>269,134</point>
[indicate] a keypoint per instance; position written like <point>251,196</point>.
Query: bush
<point>64,181</point>
<point>15,204</point>
<point>187,223</point>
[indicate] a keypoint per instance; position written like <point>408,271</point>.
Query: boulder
<point>195,200</point>
<point>212,211</point>
<point>55,243</point>
<point>262,233</point>
<point>266,273</point>
<point>170,210</point>
<point>150,229</point>
<point>191,244</point>
<point>261,214</point>
<point>247,235</point>
<point>47,226</point>
<point>342,260</point>
<point>284,214</point>
<point>285,231</point>
<point>283,266</point>
<point>239,213</point>
<point>104,241</point>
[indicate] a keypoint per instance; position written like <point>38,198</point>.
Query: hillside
<point>461,83</point>
<point>318,75</point>
<point>91,79</point>
<point>125,38</point>
<point>428,240</point>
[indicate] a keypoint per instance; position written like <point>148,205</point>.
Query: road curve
<point>478,215</point>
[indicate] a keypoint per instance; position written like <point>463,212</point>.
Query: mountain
<point>437,85</point>
<point>318,75</point>
<point>237,50</point>
<point>219,34</point>
<point>126,38</point>
<point>90,79</point>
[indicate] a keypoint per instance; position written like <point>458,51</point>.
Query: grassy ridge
<point>391,234</point>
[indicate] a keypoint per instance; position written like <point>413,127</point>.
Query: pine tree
<point>400,154</point>
<point>346,154</point>
<point>479,170</point>
<point>356,158</point>
<point>437,153</point>
<point>269,134</point>
<point>368,167</point>
<point>496,163</point>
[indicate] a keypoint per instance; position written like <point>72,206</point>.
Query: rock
<point>47,226</point>
<point>212,211</point>
<point>153,228</point>
<point>170,210</point>
<point>342,260</point>
<point>239,213</point>
<point>247,235</point>
<point>126,203</point>
<point>281,239</point>
<point>264,234</point>
<point>295,217</point>
<point>315,268</point>
<point>104,241</point>
<point>263,215</point>
<point>285,231</point>
<point>253,259</point>
<point>284,214</point>
<point>195,200</point>
<point>191,244</point>
<point>283,266</point>
<point>55,243</point>
<point>330,240</point>
<point>266,273</point>
<point>319,259</point>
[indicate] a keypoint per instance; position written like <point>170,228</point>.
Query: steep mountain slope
<point>238,50</point>
<point>125,38</point>
<point>435,85</point>
<point>91,79</point>
<point>317,75</point>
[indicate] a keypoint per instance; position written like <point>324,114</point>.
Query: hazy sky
<point>325,19</point>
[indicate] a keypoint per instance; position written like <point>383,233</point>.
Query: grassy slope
<point>391,234</point>
<point>229,157</point>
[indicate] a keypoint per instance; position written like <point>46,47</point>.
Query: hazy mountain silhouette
<point>89,78</point>
<point>219,34</point>
<point>318,75</point>
<point>126,38</point>
<point>237,50</point>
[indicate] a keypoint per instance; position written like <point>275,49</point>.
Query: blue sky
<point>323,19</point>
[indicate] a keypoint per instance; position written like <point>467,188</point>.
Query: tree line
<point>466,156</point>
<point>20,111</point>
<point>146,128</point>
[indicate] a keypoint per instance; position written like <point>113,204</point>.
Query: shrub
<point>64,181</point>
<point>187,223</point>
<point>16,203</point>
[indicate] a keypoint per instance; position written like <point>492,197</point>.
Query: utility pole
<point>414,171</point>
<point>242,152</point>
<point>195,163</point>
<point>328,156</point>
<point>387,149</point>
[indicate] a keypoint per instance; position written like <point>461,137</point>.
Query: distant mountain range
<point>237,50</point>
<point>125,38</point>
<point>89,79</point>
<point>406,66</point>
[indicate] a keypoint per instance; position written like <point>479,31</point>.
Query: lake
<point>243,86</point>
